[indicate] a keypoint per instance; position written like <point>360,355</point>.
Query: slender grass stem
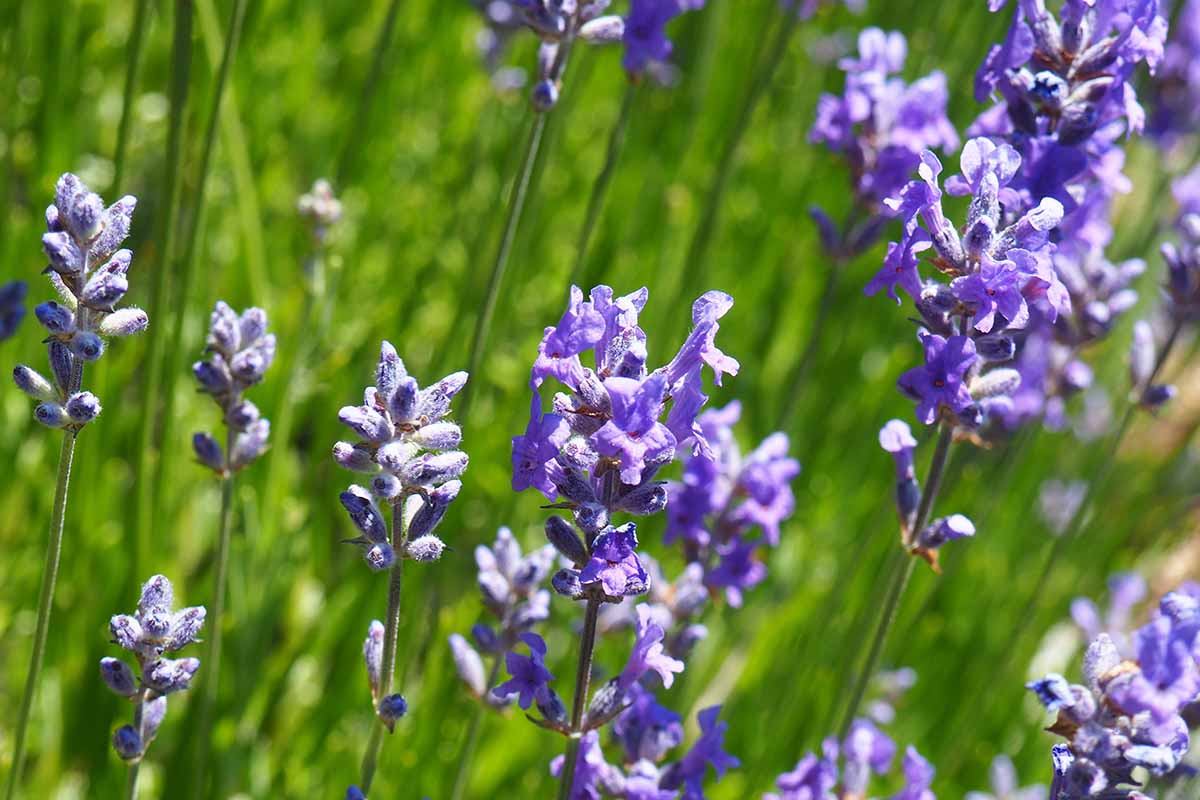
<point>145,477</point>
<point>391,628</point>
<point>466,756</point>
<point>66,457</point>
<point>354,137</point>
<point>516,206</point>
<point>583,679</point>
<point>791,398</point>
<point>616,144</point>
<point>184,269</point>
<point>891,604</point>
<point>216,624</point>
<point>133,58</point>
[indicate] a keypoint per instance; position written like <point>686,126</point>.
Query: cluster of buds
<point>151,633</point>
<point>320,207</point>
<point>89,274</point>
<point>239,352</point>
<point>559,23</point>
<point>410,449</point>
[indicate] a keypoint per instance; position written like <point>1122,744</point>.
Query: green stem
<point>185,267</point>
<point>516,206</point>
<point>616,143</point>
<point>145,476</point>
<point>791,398</point>
<point>391,628</point>
<point>133,57</point>
<point>583,677</point>
<point>66,456</point>
<point>467,756</point>
<point>216,626</point>
<point>891,604</point>
<point>354,138</point>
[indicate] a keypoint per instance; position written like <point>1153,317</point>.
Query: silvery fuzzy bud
<point>208,451</point>
<point>1100,658</point>
<point>551,706</point>
<point>995,347</point>
<point>394,455</point>
<point>433,403</point>
<point>389,370</point>
<point>428,470</point>
<point>908,497</point>
<point>386,486</point>
<point>391,709</point>
<point>380,556</point>
<point>62,364</point>
<point>373,655</point>
<point>545,95</point>
<point>603,30</point>
<point>185,628</point>
<point>353,457</point>
<point>566,582</point>
<point>606,703</point>
<point>494,588</point>
<point>572,484</point>
<point>242,415</point>
<point>118,264</point>
<point>213,376</point>
<point>64,255</point>
<point>433,508</point>
<point>85,217</point>
<point>116,227</point>
<point>1052,691</point>
<point>592,392</point>
<point>52,415</point>
<point>127,743</point>
<point>83,407</point>
<point>250,443</point>
<point>87,345</point>
<point>591,517</point>
<point>126,632</point>
<point>253,325</point>
<point>426,548</point>
<point>367,423</point>
<point>1141,354</point>
<point>995,383</point>
<point>530,613</point>
<point>560,534</point>
<point>647,499</point>
<point>55,317</point>
<point>946,529</point>
<point>402,404</point>
<point>251,364</point>
<point>469,665</point>
<point>224,331</point>
<point>153,713</point>
<point>439,436</point>
<point>166,675</point>
<point>118,676</point>
<point>364,513</point>
<point>33,384</point>
<point>124,322</point>
<point>104,290</point>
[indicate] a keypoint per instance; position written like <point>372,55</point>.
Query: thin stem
<point>133,57</point>
<point>391,627</point>
<point>616,143</point>
<point>136,765</point>
<point>583,678</point>
<point>791,398</point>
<point>145,477</point>
<point>891,604</point>
<point>216,626</point>
<point>185,266</point>
<point>66,456</point>
<point>467,755</point>
<point>354,138</point>
<point>516,206</point>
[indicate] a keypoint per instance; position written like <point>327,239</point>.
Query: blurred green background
<point>424,162</point>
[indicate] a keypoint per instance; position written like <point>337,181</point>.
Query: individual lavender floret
<point>239,353</point>
<point>880,126</point>
<point>723,496</point>
<point>529,679</point>
<point>643,31</point>
<point>708,750</point>
<point>151,633</point>
<point>410,448</point>
<point>1004,784</point>
<point>12,307</point>
<point>89,274</point>
<point>1126,714</point>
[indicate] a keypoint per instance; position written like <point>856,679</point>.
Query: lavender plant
<point>239,353</point>
<point>153,632</point>
<point>88,272</point>
<point>409,447</point>
<point>1128,713</point>
<point>12,307</point>
<point>1005,785</point>
<point>1175,111</point>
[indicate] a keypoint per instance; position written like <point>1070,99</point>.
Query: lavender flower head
<point>644,35</point>
<point>12,307</point>
<point>410,449</point>
<point>320,207</point>
<point>880,125</point>
<point>724,496</point>
<point>239,353</point>
<point>151,633</point>
<point>1176,103</point>
<point>89,273</point>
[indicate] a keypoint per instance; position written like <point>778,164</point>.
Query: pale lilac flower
<point>648,653</point>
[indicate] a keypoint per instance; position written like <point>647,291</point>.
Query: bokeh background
<point>422,150</point>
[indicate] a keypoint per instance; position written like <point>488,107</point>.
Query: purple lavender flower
<point>1125,590</point>
<point>939,383</point>
<point>644,35</point>
<point>918,777</point>
<point>89,274</point>
<point>709,749</point>
<point>530,678</point>
<point>1175,110</point>
<point>1004,784</point>
<point>813,778</point>
<point>646,730</point>
<point>614,563</point>
<point>648,653</point>
<point>592,772</point>
<point>866,750</point>
<point>156,629</point>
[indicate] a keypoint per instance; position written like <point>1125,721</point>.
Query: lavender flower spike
<point>12,307</point>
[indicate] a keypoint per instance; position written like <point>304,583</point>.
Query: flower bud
<point>389,370</point>
<point>402,404</point>
<point>433,403</point>
<point>354,457</point>
<point>994,383</point>
<point>355,793</point>
<point>117,264</point>
<point>469,665</point>
<point>1157,396</point>
<point>650,498</point>
<point>104,290</point>
<point>373,655</point>
<point>494,588</point>
<point>605,704</point>
<point>946,529</point>
<point>124,322</point>
<point>33,384</point>
<point>591,517</point>
<point>250,443</point>
<point>153,713</point>
<point>430,470</point>
<point>83,407</point>
<point>433,508</point>
<point>566,582</point>
<point>380,556</point>
<point>118,676</point>
<point>64,256</point>
<point>55,317</point>
<point>485,638</point>
<point>87,345</point>
<point>364,513</point>
<point>213,376</point>
<point>253,324</point>
<point>127,743</point>
<point>391,709</point>
<point>439,436</point>
<point>426,548</point>
<point>242,415</point>
<point>62,364</point>
<point>545,95</point>
<point>185,628</point>
<point>208,451</point>
<point>603,30</point>
<point>126,632</point>
<point>52,415</point>
<point>560,534</point>
<point>995,347</point>
<point>85,217</point>
<point>386,486</point>
<point>166,676</point>
<point>1141,354</point>
<point>551,705</point>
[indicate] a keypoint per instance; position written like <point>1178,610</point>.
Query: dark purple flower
<point>591,770</point>
<point>648,653</point>
<point>614,563</point>
<point>12,307</point>
<point>644,36</point>
<point>646,730</point>
<point>939,382</point>
<point>813,778</point>
<point>529,674</point>
<point>689,771</point>
<point>737,569</point>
